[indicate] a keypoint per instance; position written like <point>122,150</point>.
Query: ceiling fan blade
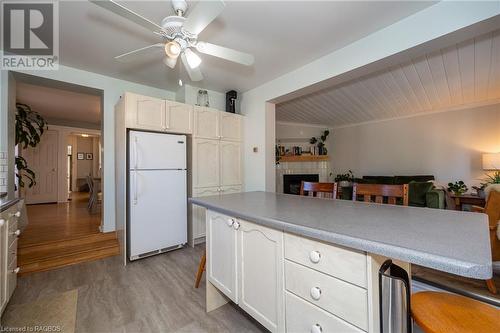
<point>202,14</point>
<point>130,56</point>
<point>225,53</point>
<point>194,73</point>
<point>170,62</point>
<point>127,13</point>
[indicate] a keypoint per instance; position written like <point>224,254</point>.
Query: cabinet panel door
<point>260,272</point>
<point>3,260</point>
<point>230,126</point>
<point>221,254</point>
<point>179,117</point>
<point>230,163</point>
<point>205,163</point>
<point>230,189</point>
<point>199,213</point>
<point>145,112</point>
<point>206,123</point>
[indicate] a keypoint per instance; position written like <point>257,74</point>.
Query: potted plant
<point>458,188</point>
<point>321,142</point>
<point>492,183</point>
<point>30,127</point>
<point>344,179</point>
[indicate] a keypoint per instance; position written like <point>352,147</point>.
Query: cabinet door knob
<point>2,222</point>
<point>16,270</point>
<point>17,214</point>
<point>316,328</point>
<point>230,222</point>
<point>17,232</point>
<point>236,225</point>
<point>315,293</point>
<point>315,256</point>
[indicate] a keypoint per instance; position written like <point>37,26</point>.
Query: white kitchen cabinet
<point>206,123</point>
<point>230,163</point>
<point>221,249</point>
<point>229,126</point>
<point>198,213</point>
<point>144,112</point>
<point>3,261</point>
<point>230,189</point>
<point>206,163</point>
<point>178,117</point>
<point>260,274</point>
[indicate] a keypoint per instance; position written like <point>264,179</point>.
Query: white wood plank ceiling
<point>466,73</point>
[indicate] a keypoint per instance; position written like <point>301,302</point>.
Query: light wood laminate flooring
<point>155,294</point>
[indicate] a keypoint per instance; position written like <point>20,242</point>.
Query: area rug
<point>56,313</point>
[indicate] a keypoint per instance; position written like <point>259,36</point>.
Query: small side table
<point>467,199</point>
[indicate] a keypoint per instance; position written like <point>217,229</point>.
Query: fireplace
<point>291,183</point>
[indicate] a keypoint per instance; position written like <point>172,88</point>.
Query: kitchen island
<point>319,258</point>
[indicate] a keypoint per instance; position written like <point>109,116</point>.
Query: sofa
<point>421,190</point>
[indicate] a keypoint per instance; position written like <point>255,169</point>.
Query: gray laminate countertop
<point>450,241</point>
<point>6,202</point>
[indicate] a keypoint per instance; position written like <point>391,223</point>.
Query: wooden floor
<point>155,294</point>
<point>63,234</point>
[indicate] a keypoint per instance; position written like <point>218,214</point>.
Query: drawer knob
<point>16,270</point>
<point>316,328</point>
<point>17,232</point>
<point>230,222</point>
<point>315,256</point>
<point>17,214</point>
<point>236,225</point>
<point>315,293</point>
<point>2,222</point>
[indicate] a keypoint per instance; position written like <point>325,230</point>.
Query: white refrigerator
<point>157,198</point>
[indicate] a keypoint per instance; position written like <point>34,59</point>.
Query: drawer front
<point>11,277</point>
<point>13,234</point>
<point>348,265</point>
<point>340,298</point>
<point>12,252</point>
<point>302,316</point>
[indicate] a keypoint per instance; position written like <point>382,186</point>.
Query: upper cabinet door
<point>230,126</point>
<point>230,163</point>
<point>206,123</point>
<point>179,117</point>
<point>205,163</point>
<point>144,112</point>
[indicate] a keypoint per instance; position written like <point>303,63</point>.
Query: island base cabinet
<point>221,254</point>
<point>260,273</point>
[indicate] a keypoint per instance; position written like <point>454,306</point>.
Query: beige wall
<point>447,144</point>
<point>83,167</point>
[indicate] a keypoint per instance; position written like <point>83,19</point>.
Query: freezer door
<point>153,151</point>
<point>158,210</point>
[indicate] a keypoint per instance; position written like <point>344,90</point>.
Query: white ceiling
<point>463,74</point>
<point>61,106</point>
<point>283,35</point>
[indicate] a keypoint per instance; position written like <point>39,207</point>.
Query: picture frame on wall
<point>89,156</point>
<point>80,156</point>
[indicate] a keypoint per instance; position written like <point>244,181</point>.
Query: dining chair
<point>492,209</point>
<point>95,195</point>
<point>377,192</point>
<point>90,183</point>
<point>201,269</point>
<point>320,190</point>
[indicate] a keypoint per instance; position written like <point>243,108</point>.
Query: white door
<point>221,254</point>
<point>43,161</point>
<point>144,112</point>
<point>205,163</point>
<point>158,210</point>
<point>230,126</point>
<point>206,123</point>
<point>157,151</point>
<point>230,163</point>
<point>179,117</point>
<point>198,212</point>
<point>260,272</point>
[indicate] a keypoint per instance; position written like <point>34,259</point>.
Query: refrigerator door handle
<point>135,187</point>
<point>136,163</point>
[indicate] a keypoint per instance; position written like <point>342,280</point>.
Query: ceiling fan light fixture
<point>192,58</point>
<point>172,49</point>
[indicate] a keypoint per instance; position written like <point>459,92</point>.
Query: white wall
<point>189,94</point>
<point>447,145</point>
<point>112,90</point>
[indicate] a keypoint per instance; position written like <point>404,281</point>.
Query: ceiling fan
<point>180,35</point>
